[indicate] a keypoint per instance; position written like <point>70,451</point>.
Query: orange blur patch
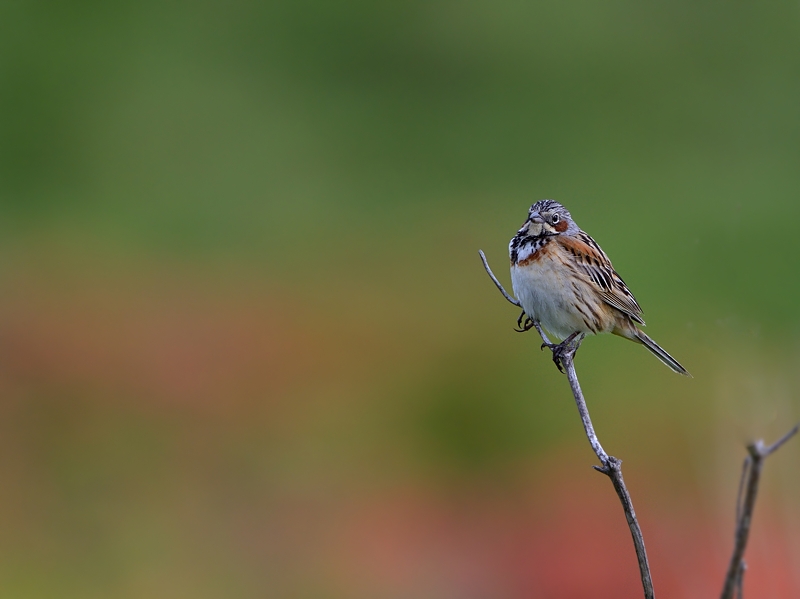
<point>561,226</point>
<point>183,343</point>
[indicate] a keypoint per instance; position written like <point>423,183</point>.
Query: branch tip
<point>494,278</point>
<point>777,445</point>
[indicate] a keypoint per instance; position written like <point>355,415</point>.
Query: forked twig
<point>611,466</point>
<point>751,473</point>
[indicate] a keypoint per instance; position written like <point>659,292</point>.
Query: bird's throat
<point>523,246</point>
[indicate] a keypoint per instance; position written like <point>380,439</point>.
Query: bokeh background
<point>247,348</point>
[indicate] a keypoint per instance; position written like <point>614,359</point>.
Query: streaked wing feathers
<point>592,263</point>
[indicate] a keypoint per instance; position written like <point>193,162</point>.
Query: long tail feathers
<point>661,354</point>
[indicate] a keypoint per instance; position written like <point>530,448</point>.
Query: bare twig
<point>496,282</point>
<point>541,332</point>
<point>611,466</point>
<point>740,580</point>
<point>777,445</point>
<point>751,473</point>
<point>740,492</point>
<point>568,359</point>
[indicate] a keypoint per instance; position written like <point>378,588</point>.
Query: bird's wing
<point>592,263</point>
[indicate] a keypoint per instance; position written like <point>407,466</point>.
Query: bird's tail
<point>660,353</point>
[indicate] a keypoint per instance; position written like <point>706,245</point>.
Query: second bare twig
<point>751,474</point>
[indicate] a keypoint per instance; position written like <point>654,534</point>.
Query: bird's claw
<point>560,350</point>
<point>525,326</point>
<point>526,323</point>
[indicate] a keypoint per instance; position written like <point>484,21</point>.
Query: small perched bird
<point>565,282</point>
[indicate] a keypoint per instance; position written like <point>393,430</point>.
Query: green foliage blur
<point>247,347</point>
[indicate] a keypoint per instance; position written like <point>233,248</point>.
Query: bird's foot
<point>525,326</point>
<point>560,350</point>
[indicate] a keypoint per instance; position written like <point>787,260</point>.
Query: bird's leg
<point>528,324</point>
<point>559,349</point>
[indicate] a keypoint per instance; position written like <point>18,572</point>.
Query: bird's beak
<point>534,224</point>
<point>536,218</point>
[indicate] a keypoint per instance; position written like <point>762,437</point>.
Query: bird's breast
<point>548,291</point>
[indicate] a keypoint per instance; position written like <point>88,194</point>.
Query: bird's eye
<point>555,218</point>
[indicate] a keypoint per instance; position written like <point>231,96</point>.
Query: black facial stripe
<point>521,242</point>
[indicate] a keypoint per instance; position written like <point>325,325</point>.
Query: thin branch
<point>758,453</point>
<point>564,356</point>
<point>777,445</point>
<point>541,333</point>
<point>740,493</point>
<point>568,361</point>
<point>612,467</point>
<point>740,579</point>
<point>496,282</point>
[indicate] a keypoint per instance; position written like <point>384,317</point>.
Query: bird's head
<point>548,217</point>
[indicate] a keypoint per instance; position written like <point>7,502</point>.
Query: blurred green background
<point>247,348</point>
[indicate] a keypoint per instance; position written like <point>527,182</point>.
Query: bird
<point>564,281</point>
